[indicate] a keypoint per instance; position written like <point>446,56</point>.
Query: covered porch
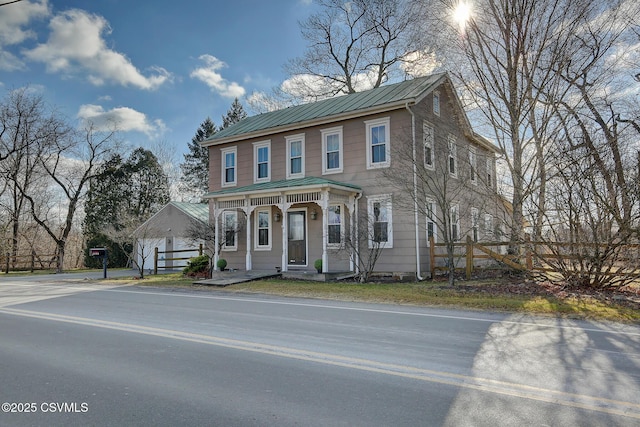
<point>287,224</point>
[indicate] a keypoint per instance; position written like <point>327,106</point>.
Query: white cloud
<point>419,63</point>
<point>76,44</point>
<point>13,19</point>
<point>209,75</point>
<point>124,119</point>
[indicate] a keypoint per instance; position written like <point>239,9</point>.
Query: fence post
<point>432,257</point>
<point>155,260</point>
<point>528,257</point>
<point>200,250</point>
<point>469,267</point>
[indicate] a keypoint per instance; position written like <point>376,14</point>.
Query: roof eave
<point>309,123</point>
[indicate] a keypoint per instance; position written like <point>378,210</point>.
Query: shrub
<point>196,265</point>
<point>221,264</point>
<point>318,264</point>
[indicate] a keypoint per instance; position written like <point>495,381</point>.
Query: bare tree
<point>353,46</point>
<point>28,130</point>
<point>448,182</point>
<point>509,47</point>
<point>68,165</point>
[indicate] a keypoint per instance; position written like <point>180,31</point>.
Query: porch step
<point>318,277</point>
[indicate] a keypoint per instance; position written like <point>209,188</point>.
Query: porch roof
<point>309,182</point>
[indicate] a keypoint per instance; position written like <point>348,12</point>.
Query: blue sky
<point>158,67</point>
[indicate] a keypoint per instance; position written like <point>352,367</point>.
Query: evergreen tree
<point>136,188</point>
<point>195,168</point>
<point>234,114</point>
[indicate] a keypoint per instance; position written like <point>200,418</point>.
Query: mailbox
<point>98,252</point>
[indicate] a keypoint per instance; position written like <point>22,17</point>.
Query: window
<point>295,156</point>
<point>263,229</point>
<point>230,227</point>
<point>454,222</point>
<point>262,161</point>
<point>229,156</point>
<point>431,221</point>
<point>475,216</point>
<point>331,150</point>
<point>335,220</point>
<point>380,221</point>
<point>473,165</point>
<point>427,136</point>
<point>436,103</point>
<point>378,143</point>
<point>453,157</point>
<point>489,172</point>
<point>488,225</point>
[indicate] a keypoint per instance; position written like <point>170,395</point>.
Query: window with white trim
<point>475,217</point>
<point>331,150</point>
<point>488,225</point>
<point>473,167</point>
<point>489,172</point>
<point>432,231</point>
<point>380,221</point>
<point>334,228</point>
<point>230,227</point>
<point>378,143</point>
<point>262,161</point>
<point>295,156</point>
<point>453,156</point>
<point>428,139</point>
<point>263,229</point>
<point>436,103</point>
<point>229,159</point>
<point>454,222</point>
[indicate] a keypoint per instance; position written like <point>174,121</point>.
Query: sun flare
<point>462,13</point>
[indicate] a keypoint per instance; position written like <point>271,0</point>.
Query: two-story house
<point>287,187</point>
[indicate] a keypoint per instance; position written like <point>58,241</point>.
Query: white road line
<point>592,403</point>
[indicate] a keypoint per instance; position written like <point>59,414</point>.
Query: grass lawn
<point>477,295</point>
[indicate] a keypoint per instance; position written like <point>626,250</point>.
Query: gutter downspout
<point>415,191</point>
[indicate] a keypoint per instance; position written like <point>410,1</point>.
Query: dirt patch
<point>499,284</point>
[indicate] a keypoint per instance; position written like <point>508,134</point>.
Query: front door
<point>297,237</point>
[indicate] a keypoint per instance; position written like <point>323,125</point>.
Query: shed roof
<point>199,211</point>
<point>389,96</point>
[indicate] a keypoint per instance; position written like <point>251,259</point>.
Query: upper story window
<point>380,221</point>
<point>436,103</point>
<point>453,156</point>
<point>262,161</point>
<point>428,139</point>
<point>230,224</point>
<point>473,167</point>
<point>332,150</point>
<point>229,156</point>
<point>378,149</point>
<point>295,156</point>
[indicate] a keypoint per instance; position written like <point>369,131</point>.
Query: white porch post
<point>247,210</point>
<point>216,237</point>
<point>284,208</point>
<point>324,205</point>
<point>352,216</point>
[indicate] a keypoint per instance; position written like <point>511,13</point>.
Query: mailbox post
<point>100,253</point>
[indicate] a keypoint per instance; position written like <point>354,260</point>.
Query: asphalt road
<point>81,353</point>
